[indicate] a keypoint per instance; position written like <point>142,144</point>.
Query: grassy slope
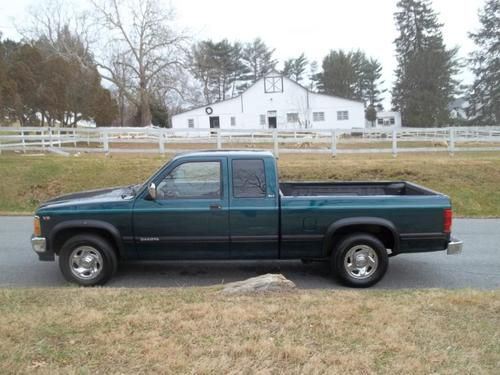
<point>472,180</point>
<point>200,331</point>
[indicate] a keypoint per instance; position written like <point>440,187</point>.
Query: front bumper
<point>455,246</point>
<point>39,245</point>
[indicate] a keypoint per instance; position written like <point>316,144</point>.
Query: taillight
<point>447,216</point>
<point>37,231</point>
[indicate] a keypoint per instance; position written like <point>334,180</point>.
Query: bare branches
<point>61,30</point>
<point>146,44</point>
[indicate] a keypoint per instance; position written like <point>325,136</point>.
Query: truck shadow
<point>401,274</point>
<point>207,273</point>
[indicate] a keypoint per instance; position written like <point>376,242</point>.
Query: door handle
<point>215,207</point>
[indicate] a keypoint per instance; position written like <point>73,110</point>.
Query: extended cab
<point>230,205</point>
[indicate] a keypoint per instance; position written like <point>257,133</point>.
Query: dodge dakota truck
<point>230,205</point>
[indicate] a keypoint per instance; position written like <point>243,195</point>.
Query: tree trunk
<point>145,110</point>
<point>122,108</point>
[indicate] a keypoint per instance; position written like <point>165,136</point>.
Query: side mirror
<point>152,191</point>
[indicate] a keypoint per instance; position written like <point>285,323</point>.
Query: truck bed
<point>308,189</point>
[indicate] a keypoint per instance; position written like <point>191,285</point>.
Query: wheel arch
<point>67,229</point>
<point>381,228</point>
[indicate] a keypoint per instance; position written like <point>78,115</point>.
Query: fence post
<point>394,143</point>
<point>160,141</point>
<point>59,136</point>
<point>23,142</point>
<point>74,137</point>
<point>42,137</point>
<point>105,141</point>
<point>276,150</point>
<point>451,146</point>
<point>50,137</point>
<point>334,144</point>
<point>219,141</point>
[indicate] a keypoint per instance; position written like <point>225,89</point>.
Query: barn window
<point>233,121</point>
<point>380,121</point>
<point>392,121</point>
<point>273,84</point>
<point>342,115</point>
<point>190,122</point>
<point>263,119</point>
<point>292,117</point>
<point>318,116</point>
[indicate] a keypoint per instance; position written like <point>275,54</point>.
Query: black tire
<point>102,260</point>
<point>372,257</point>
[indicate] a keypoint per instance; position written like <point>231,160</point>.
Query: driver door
<point>189,219</point>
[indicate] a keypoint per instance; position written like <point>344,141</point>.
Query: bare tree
<point>61,29</point>
<point>144,44</point>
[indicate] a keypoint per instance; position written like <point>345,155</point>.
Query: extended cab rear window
<point>249,178</point>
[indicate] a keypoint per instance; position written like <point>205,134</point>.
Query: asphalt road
<point>477,267</point>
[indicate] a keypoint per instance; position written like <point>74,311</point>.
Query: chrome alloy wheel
<point>361,261</point>
<point>85,262</point>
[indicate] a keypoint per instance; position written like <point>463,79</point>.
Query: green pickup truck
<point>230,205</point>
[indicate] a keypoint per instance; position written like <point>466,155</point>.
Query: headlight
<point>37,230</point>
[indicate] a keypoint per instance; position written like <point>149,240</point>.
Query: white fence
<point>151,140</point>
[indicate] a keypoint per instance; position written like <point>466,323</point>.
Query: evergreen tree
<point>159,113</point>
<point>424,77</point>
<point>295,68</point>
<point>39,86</point>
<point>485,93</point>
<point>340,75</point>
<point>371,114</point>
<point>258,59</point>
<point>350,75</point>
<point>219,67</point>
<point>372,73</point>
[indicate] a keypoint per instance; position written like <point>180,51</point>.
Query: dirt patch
<point>38,193</point>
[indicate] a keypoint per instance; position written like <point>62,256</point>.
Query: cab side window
<point>249,178</point>
<point>192,180</point>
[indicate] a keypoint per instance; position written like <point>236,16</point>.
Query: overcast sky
<point>313,26</point>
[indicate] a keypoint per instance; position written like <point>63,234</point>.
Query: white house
<point>275,101</point>
<point>386,119</point>
<point>458,109</point>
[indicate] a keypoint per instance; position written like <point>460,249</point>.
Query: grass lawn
<point>472,180</point>
<point>198,330</point>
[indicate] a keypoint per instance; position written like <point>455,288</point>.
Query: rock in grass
<point>265,283</point>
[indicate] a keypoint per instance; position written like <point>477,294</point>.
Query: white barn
<point>275,101</point>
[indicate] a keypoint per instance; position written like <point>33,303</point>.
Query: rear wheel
<point>360,260</point>
<point>87,260</point>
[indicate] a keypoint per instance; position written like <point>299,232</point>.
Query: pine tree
<point>372,73</point>
<point>424,77</point>
<point>219,68</point>
<point>295,68</point>
<point>258,58</point>
<point>351,75</point>
<point>485,92</point>
<point>340,75</point>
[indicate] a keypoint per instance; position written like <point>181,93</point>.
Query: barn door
<point>214,122</point>
<point>272,119</point>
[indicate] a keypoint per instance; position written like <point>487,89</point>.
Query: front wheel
<point>360,260</point>
<point>87,260</point>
